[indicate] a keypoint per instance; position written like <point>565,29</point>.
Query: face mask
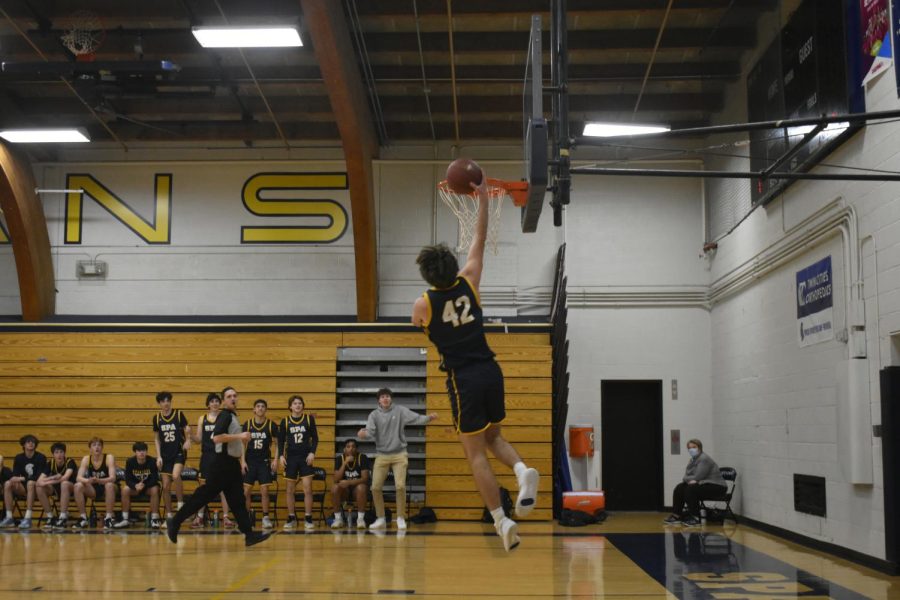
<point>693,452</point>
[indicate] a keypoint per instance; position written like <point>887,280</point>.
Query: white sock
<point>124,515</point>
<point>360,516</point>
<point>154,515</point>
<point>519,468</point>
<point>9,514</point>
<point>63,515</point>
<point>28,514</point>
<point>178,505</point>
<point>498,515</point>
<point>108,516</point>
<point>84,516</point>
<point>338,515</point>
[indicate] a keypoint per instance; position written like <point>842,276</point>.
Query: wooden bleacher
<point>70,387</point>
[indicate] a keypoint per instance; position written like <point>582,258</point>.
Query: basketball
<point>460,173</point>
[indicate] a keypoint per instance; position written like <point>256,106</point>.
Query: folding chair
<point>729,474</point>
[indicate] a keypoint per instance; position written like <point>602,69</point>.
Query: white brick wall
<point>776,406</point>
<point>634,234</point>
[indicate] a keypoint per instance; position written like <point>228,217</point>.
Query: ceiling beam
<point>327,26</point>
<point>28,232</point>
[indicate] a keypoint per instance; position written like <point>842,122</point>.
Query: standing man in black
<point>224,475</point>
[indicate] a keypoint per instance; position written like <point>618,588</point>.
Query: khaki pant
<point>398,462</point>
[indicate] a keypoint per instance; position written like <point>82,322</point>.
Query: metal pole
<point>793,150</point>
<point>732,174</point>
<point>559,65</point>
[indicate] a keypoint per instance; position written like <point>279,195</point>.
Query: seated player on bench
<point>141,479</point>
<point>27,467</point>
<point>96,479</point>
<point>58,479</point>
<point>351,479</point>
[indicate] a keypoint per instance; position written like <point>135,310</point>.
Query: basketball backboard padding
<point>536,174</point>
<point>534,134</point>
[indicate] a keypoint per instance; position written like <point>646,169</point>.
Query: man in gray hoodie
<point>386,425</point>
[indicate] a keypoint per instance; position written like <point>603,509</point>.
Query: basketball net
<point>465,207</point>
<point>84,35</point>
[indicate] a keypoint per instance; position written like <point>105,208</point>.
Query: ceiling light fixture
<point>44,136</point>
<point>620,129</point>
<point>247,37</point>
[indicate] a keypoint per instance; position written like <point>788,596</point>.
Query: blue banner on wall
<point>815,296</point>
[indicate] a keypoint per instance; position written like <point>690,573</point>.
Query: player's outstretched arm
<point>475,261</point>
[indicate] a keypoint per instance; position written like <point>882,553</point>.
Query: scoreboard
<point>809,70</point>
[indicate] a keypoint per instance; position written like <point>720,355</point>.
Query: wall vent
<point>809,494</point>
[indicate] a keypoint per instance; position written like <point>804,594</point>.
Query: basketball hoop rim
<point>517,190</point>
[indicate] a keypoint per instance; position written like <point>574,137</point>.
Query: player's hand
<point>481,188</point>
<point>310,458</point>
<point>244,467</point>
<point>186,445</point>
<point>244,436</point>
<point>283,462</point>
<point>433,417</point>
<point>362,434</point>
<point>159,463</point>
<point>274,466</point>
<point>139,487</point>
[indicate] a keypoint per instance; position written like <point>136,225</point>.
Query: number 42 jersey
<point>455,324</point>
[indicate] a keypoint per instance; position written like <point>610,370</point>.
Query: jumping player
<point>450,313</point>
<point>172,436</point>
<point>257,463</point>
<point>297,441</point>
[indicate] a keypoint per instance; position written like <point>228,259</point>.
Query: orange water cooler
<point>581,451</point>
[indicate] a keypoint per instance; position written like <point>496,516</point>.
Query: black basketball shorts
<point>297,468</point>
<point>169,463</point>
<point>476,396</point>
<point>258,470</point>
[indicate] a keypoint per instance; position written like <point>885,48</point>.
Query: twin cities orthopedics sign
<point>268,195</point>
<point>815,295</point>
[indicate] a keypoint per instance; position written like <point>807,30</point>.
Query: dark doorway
<point>632,446</point>
<point>890,449</point>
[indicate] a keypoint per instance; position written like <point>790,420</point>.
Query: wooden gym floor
<point>630,556</point>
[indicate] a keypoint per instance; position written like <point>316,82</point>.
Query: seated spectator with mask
<point>702,481</point>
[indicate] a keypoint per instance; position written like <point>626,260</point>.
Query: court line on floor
<point>237,585</point>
